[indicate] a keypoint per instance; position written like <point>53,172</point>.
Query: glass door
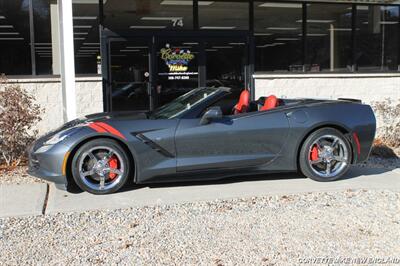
<point>130,74</point>
<point>226,62</point>
<point>177,68</point>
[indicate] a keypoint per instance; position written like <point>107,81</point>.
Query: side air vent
<point>154,145</point>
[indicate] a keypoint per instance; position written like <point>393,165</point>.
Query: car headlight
<point>55,139</point>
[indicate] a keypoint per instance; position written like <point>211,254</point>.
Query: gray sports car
<point>206,134</point>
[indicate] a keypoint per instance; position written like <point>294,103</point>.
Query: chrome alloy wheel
<point>101,168</point>
<point>328,156</point>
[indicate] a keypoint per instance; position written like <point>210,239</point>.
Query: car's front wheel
<point>100,166</point>
<point>325,155</point>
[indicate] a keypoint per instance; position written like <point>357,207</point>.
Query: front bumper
<point>47,162</point>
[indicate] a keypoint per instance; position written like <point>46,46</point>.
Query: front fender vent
<point>154,145</point>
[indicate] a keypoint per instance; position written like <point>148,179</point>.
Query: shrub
<point>18,115</point>
<point>380,149</point>
<point>388,114</point>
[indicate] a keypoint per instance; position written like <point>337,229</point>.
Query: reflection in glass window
<point>148,14</point>
<point>328,37</point>
<point>86,37</point>
<point>15,56</point>
<point>278,29</point>
<point>224,15</point>
<point>377,38</point>
<point>43,47</point>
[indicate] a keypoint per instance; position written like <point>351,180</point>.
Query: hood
<point>134,115</point>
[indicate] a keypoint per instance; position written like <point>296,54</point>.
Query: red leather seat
<point>243,104</point>
<point>270,103</point>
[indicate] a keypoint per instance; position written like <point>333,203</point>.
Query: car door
<point>230,142</point>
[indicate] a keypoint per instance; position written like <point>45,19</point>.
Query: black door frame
<point>107,36</point>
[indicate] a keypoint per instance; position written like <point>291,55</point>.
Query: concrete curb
<point>22,200</point>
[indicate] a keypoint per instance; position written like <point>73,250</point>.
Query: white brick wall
<point>48,94</point>
<point>367,87</point>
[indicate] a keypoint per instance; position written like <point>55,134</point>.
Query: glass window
<point>377,38</point>
<point>86,37</point>
<point>328,37</point>
<point>224,15</point>
<point>128,15</point>
<point>15,56</point>
<point>278,29</point>
<point>42,26</point>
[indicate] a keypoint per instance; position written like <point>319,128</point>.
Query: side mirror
<point>214,112</point>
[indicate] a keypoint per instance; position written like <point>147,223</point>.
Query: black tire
<point>123,159</point>
<point>306,164</point>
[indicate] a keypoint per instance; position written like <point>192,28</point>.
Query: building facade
<point>139,54</point>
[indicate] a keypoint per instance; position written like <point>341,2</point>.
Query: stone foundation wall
<point>48,94</point>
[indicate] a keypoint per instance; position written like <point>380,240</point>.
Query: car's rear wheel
<point>325,155</point>
<point>100,166</point>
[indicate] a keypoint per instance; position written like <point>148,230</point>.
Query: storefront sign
<point>176,59</point>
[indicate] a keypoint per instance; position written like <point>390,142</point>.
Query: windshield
<point>183,103</point>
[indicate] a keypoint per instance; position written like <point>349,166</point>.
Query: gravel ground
<point>18,176</point>
<point>254,231</point>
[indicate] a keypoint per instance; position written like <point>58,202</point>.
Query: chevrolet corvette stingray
<point>206,134</point>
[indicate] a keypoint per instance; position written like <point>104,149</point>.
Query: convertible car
<point>206,134</point>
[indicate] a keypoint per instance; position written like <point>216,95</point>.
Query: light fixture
<point>85,18</point>
<point>89,47</point>
<point>222,47</point>
<point>211,50</point>
<point>88,50</point>
<point>262,34</point>
<point>91,43</point>
<point>185,3</point>
<point>364,8</point>
<point>388,22</point>
<point>218,28</point>
<point>190,43</point>
<point>161,18</point>
<point>237,43</point>
<point>9,33</point>
<point>281,5</point>
<point>129,50</point>
<point>341,29</point>
<point>316,21</point>
<point>281,28</point>
<point>81,33</point>
<point>147,27</point>
<point>79,39</point>
<point>314,34</point>
<point>82,27</point>
<point>88,2</point>
<point>84,55</point>
<point>287,39</point>
<point>6,26</point>
<point>137,47</point>
<point>42,43</point>
<point>11,39</point>
<point>2,17</point>
<point>43,48</point>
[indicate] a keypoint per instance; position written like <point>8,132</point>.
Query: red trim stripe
<point>101,127</point>
<point>97,128</point>
<point>355,136</point>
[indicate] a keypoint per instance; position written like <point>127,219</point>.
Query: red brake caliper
<point>113,163</point>
<point>314,153</point>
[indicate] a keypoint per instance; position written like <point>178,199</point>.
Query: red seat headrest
<point>270,103</point>
<point>244,101</point>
